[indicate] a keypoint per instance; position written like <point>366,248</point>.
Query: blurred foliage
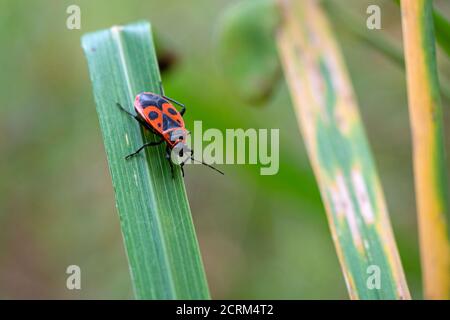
<point>247,51</point>
<point>442,28</point>
<point>260,236</point>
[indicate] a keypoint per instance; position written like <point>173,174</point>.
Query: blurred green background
<point>260,236</point>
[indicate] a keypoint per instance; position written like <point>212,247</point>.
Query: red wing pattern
<point>159,113</point>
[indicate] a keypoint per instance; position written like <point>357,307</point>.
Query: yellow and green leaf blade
<point>339,152</point>
<point>430,170</point>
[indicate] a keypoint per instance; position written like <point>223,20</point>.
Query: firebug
<point>156,113</point>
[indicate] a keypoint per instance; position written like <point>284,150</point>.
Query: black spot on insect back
<point>172,111</point>
<point>153,115</point>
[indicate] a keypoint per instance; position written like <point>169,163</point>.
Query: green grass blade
<point>329,119</point>
<point>156,222</point>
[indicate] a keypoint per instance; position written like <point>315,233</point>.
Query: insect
<point>157,113</point>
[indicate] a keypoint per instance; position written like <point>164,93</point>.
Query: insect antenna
<point>208,165</point>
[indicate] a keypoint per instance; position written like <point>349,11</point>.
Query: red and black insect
<point>157,114</point>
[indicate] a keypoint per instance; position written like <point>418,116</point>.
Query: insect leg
<point>138,119</point>
<point>161,89</point>
<point>171,168</point>
<point>148,144</point>
<point>125,110</point>
<point>131,114</point>
<point>183,110</point>
<point>182,169</point>
<point>170,161</point>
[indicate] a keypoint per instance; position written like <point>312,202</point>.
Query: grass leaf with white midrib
<point>156,222</point>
